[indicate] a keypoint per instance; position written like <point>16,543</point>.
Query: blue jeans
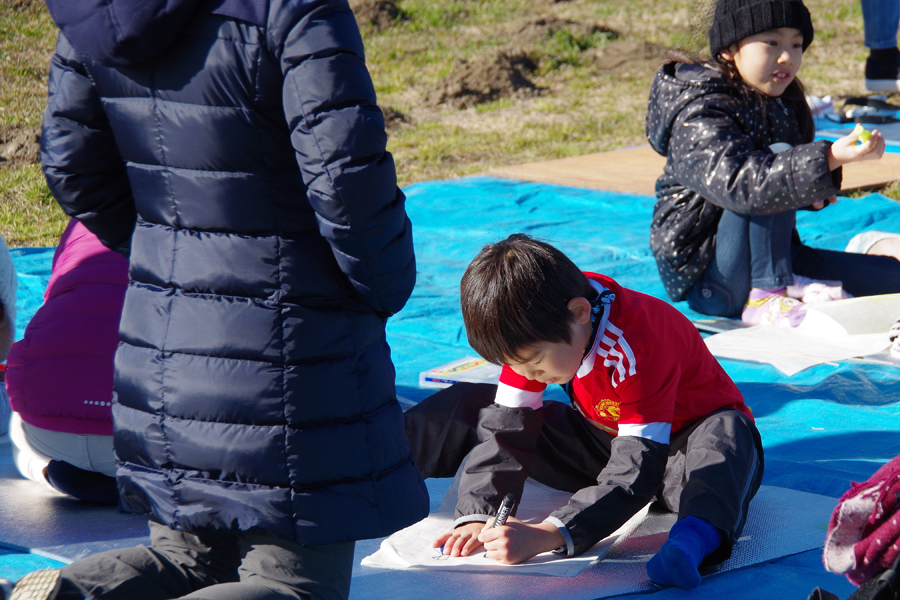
<point>756,252</point>
<point>750,252</point>
<point>880,21</point>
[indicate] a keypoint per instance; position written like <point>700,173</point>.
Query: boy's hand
<point>846,150</point>
<point>516,541</point>
<point>462,541</point>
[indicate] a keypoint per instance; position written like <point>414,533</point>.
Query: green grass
<point>28,214</point>
<point>582,109</point>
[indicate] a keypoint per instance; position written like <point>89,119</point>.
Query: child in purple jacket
<point>59,377</point>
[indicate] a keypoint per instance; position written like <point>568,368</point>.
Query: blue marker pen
<point>509,502</point>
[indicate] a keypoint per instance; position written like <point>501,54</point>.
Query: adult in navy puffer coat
<point>234,150</point>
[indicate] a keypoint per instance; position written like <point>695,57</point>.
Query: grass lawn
<point>587,65</point>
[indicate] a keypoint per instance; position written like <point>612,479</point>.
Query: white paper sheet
<point>411,548</point>
<point>831,332</point>
<point>792,350</point>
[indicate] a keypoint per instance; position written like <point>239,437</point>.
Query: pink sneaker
<point>773,307</point>
<point>814,291</point>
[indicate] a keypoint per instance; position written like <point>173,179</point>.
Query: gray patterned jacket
<point>716,143</point>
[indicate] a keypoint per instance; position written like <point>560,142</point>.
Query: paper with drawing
<point>411,548</point>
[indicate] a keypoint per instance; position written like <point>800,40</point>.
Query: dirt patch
<point>376,15</point>
<point>626,54</point>
<point>394,119</point>
<point>503,75</point>
<point>19,146</point>
<point>539,29</point>
<point>30,6</point>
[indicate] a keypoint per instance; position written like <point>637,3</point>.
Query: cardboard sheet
<point>635,170</point>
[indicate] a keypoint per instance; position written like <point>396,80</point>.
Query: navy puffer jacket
<point>236,148</point>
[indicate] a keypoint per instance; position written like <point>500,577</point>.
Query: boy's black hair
<point>515,294</point>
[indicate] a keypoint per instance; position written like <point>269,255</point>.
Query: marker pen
<point>509,502</point>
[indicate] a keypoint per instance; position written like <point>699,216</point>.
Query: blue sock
<point>677,563</point>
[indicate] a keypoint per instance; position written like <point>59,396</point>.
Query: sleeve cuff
<point>569,548</point>
<point>471,519</point>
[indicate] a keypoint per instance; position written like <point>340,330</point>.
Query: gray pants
<point>714,467</point>
<point>212,566</point>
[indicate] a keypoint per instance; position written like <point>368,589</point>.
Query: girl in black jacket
<point>738,136</point>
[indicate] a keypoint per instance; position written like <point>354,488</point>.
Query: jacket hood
<point>674,86</point>
<point>127,32</point>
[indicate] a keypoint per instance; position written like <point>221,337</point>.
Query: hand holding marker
<point>509,502</point>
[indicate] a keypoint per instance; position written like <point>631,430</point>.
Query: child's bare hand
<point>845,150</point>
<point>462,541</point>
<point>820,204</point>
<point>516,541</point>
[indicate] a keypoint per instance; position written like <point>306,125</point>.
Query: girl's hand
<point>462,541</point>
<point>820,204</point>
<point>516,542</point>
<point>845,150</point>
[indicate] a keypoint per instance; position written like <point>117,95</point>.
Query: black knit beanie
<point>736,19</point>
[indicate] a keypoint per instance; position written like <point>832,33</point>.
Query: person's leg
<point>725,284</point>
<point>770,250</point>
<point>29,462</point>
<point>771,272</point>
<point>441,428</point>
<point>715,468</point>
<point>88,486</point>
<point>175,564</point>
<point>81,466</point>
<point>881,18</point>
<point>276,569</point>
<point>861,274</point>
<point>880,21</point>
<point>87,452</point>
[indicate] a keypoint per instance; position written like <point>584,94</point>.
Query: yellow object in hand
<point>862,134</point>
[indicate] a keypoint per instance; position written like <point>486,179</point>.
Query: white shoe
<point>861,243</point>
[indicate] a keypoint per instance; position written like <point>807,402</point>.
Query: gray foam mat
<point>782,522</point>
<point>41,521</point>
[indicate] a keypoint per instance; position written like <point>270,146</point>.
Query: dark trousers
<point>714,467</point>
<point>212,566</point>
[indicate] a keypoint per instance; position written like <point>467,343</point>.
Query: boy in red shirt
<point>652,415</point>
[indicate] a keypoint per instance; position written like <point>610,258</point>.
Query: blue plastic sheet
<point>822,428</point>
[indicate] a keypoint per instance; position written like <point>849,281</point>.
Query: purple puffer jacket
<point>60,375</point>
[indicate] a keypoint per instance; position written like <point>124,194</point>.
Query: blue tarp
<point>822,428</point>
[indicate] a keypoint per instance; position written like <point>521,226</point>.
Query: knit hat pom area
<point>735,20</point>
